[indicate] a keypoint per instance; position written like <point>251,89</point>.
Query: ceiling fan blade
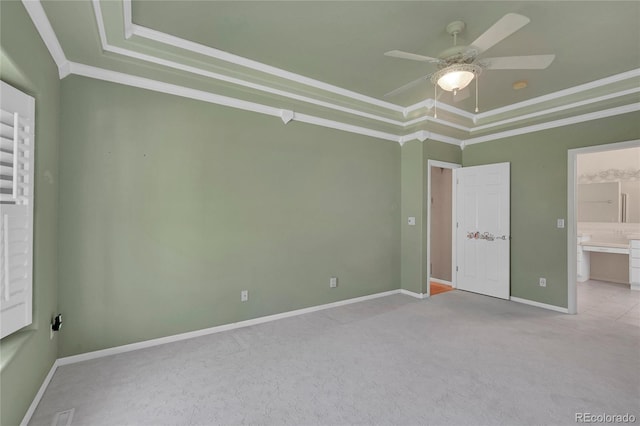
<point>507,25</point>
<point>412,56</point>
<point>532,62</point>
<point>407,86</point>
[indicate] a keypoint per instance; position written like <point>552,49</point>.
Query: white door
<point>482,237</point>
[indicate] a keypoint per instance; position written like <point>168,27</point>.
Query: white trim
<point>212,330</point>
<point>172,89</point>
<point>164,38</point>
<point>44,28</point>
<point>423,135</point>
<point>540,305</point>
<point>561,93</point>
<point>216,76</point>
<point>557,123</point>
<point>36,399</point>
<point>451,166</point>
<point>304,118</point>
<point>65,67</point>
<point>572,234</point>
<point>429,103</point>
<point>414,294</point>
<point>572,223</point>
<point>168,88</point>
<point>558,109</point>
<point>128,21</point>
<point>439,281</point>
<point>436,120</point>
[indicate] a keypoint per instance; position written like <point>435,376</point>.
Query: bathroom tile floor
<point>610,301</point>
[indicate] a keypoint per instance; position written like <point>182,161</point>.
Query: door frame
<point>572,231</point>
<point>452,166</point>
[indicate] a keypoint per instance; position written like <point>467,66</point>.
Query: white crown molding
<point>426,104</point>
<point>557,123</point>
<point>287,115</point>
<point>429,103</point>
<point>558,108</point>
<point>44,28</point>
<point>436,120</point>
<point>423,135</point>
<point>161,37</point>
<point>198,71</point>
<point>65,67</point>
<point>562,93</point>
<point>172,89</point>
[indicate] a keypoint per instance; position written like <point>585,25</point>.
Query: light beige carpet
<point>463,359</point>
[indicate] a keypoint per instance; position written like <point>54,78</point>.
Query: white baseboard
<point>197,333</point>
<point>439,281</point>
<point>540,305</point>
<point>36,400</point>
<point>413,294</point>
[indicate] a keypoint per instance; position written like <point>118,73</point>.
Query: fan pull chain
<point>435,101</point>
<point>477,93</point>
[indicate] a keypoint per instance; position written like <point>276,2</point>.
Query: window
<point>17,112</point>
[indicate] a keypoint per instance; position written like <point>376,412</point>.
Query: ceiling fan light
<point>456,76</point>
<point>455,80</point>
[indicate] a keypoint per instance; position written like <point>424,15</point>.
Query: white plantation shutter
<point>17,113</point>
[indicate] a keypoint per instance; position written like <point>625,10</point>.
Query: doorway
<point>600,216</point>
<point>441,226</point>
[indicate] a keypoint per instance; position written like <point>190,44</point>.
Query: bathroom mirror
<point>602,202</point>
<point>608,187</point>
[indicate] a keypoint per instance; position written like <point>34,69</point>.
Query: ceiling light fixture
<point>455,77</point>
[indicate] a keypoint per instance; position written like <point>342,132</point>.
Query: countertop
<point>605,244</point>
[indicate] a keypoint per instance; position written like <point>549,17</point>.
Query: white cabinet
<point>583,260</point>
<point>634,264</point>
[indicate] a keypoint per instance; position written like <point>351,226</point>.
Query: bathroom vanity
<point>628,247</point>
<point>608,216</point>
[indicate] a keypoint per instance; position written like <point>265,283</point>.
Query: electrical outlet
<point>543,282</point>
<point>244,295</point>
<point>560,223</point>
<point>411,221</point>
<point>333,282</point>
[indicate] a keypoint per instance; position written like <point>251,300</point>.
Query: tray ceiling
<point>325,59</point>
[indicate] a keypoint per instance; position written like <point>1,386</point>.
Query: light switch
<point>411,221</point>
<point>560,223</point>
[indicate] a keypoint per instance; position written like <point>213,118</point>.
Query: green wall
<point>539,197</point>
<point>170,207</point>
<point>414,159</point>
<point>28,355</point>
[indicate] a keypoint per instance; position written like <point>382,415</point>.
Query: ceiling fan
<point>459,65</point>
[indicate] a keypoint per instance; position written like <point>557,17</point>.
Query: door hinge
<point>457,225</point>
<point>456,269</point>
